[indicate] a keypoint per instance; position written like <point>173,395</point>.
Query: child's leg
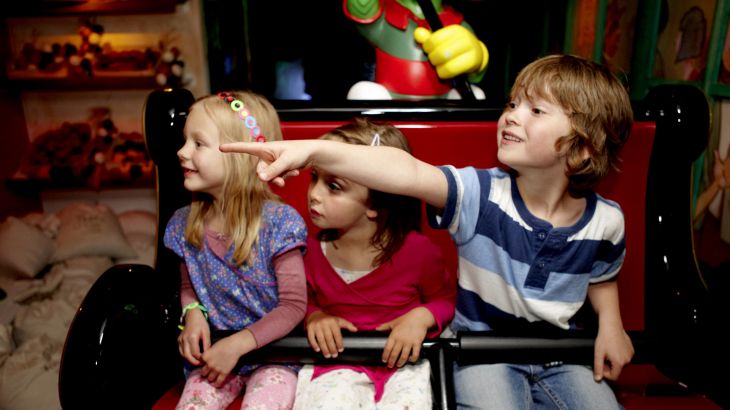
<point>304,378</point>
<point>270,388</point>
<point>341,389</point>
<point>572,387</point>
<point>409,388</point>
<point>200,394</point>
<point>509,386</point>
<point>492,386</point>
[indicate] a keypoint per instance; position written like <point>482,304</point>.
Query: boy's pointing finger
<point>268,168</point>
<point>253,148</point>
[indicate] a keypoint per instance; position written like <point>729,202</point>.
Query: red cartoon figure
<point>411,62</point>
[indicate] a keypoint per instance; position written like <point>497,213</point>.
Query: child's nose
<point>315,192</point>
<point>181,153</point>
<point>511,116</point>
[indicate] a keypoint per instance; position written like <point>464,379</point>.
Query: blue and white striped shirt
<point>516,268</point>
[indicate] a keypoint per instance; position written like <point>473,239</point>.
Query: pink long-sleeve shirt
<point>416,276</point>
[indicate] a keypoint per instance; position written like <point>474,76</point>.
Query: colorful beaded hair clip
<point>248,119</point>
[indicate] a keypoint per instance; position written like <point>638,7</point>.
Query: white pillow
<point>144,245</point>
<point>24,249</point>
<point>29,378</point>
<point>6,342</point>
<point>50,317</point>
<point>138,221</point>
<point>90,230</point>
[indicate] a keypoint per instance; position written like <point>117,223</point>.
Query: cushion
<point>138,221</point>
<point>29,377</point>
<point>144,245</point>
<point>24,249</point>
<point>6,342</point>
<point>49,317</point>
<point>90,230</point>
<point>47,222</point>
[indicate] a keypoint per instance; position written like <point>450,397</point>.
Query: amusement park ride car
<point>121,348</point>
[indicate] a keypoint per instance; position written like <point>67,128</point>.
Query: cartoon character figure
<point>408,69</point>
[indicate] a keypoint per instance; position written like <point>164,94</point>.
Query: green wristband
<point>190,306</point>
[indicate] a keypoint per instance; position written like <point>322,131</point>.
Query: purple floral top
<point>238,296</point>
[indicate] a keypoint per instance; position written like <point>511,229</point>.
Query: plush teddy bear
<point>58,155</point>
<point>128,159</point>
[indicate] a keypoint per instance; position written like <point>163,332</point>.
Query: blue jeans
<point>511,386</point>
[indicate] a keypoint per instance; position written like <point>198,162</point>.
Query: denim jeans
<point>509,386</point>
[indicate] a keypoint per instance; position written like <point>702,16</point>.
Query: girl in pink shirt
<point>369,269</point>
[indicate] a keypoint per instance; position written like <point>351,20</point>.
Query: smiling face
<point>200,158</point>
<point>337,203</point>
<point>527,132</point>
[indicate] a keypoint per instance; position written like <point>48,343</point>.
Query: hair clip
<point>376,140</point>
<point>248,119</point>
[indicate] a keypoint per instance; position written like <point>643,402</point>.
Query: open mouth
<point>313,213</point>
<point>509,137</point>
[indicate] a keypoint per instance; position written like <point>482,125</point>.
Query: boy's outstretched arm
<point>613,345</point>
<point>384,169</point>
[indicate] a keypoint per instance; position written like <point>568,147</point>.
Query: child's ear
<point>585,154</point>
<point>371,213</point>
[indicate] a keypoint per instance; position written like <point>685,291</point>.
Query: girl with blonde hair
<point>241,258</point>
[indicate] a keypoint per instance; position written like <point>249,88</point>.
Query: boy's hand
<point>406,336</point>
<point>613,351</point>
<point>324,335</point>
<point>278,160</point>
<point>222,357</point>
<point>196,331</point>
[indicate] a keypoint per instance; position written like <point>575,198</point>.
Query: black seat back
<point>124,333</point>
<point>165,113</point>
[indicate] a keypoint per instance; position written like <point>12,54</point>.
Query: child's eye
<point>334,186</point>
<point>314,176</point>
<point>511,105</point>
<point>537,111</point>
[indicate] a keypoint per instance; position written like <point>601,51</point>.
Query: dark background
<point>335,56</point>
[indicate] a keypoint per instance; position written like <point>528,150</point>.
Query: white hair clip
<point>376,140</point>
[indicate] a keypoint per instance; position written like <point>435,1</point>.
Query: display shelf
<point>70,63</point>
<point>29,187</point>
<point>76,7</point>
<point>62,80</point>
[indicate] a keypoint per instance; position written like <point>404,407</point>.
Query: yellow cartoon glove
<point>453,50</point>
